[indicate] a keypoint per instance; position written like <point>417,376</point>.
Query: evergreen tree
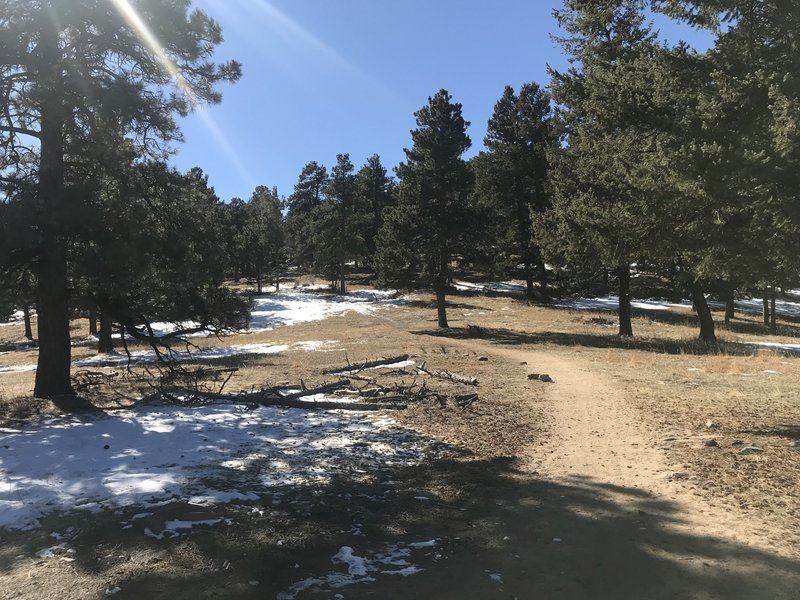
<point>429,223</point>
<point>68,69</point>
<point>303,205</point>
<point>595,221</point>
<point>374,192</point>
<point>511,177</point>
<point>264,241</point>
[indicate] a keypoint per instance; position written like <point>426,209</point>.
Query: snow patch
<point>393,559</point>
<point>154,455</point>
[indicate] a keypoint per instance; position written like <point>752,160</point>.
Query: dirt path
<point>609,518</point>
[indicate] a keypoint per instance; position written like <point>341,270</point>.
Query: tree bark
<point>440,307</point>
<point>26,316</point>
<point>773,324</point>
<point>765,305</point>
<point>52,370</point>
<point>730,306</point>
<point>93,321</point>
<point>625,325</point>
<point>707,333</point>
<point>105,343</point>
<point>440,287</point>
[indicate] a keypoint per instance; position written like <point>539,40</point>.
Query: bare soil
<point>597,485</point>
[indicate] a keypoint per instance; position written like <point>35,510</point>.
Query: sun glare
<point>170,68</point>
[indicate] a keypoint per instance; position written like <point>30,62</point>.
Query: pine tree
<point>303,204</point>
<point>264,241</point>
<point>511,177</point>
<point>337,235</point>
<point>374,192</point>
<point>68,69</point>
<point>429,223</point>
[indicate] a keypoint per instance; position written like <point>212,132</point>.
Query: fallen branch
<point>449,376</point>
<point>351,369</point>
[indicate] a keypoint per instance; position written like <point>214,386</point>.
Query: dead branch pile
<point>352,391</point>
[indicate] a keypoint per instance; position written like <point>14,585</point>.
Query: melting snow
<point>393,559</point>
<point>496,287</point>
<point>153,455</point>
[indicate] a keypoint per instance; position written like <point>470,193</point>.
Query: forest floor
<point>648,468</point>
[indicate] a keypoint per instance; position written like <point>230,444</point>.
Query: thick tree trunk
<point>765,307</point>
<point>773,324</point>
<point>93,321</point>
<point>105,343</point>
<point>707,333</point>
<point>625,325</point>
<point>52,371</point>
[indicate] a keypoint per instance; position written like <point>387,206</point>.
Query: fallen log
<point>367,365</point>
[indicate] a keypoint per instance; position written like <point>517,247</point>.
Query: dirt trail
<point>625,509</point>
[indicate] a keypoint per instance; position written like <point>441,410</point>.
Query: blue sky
<point>323,77</point>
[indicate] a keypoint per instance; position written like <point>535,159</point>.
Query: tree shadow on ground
<point>791,432</point>
<point>497,531</point>
<point>505,336</point>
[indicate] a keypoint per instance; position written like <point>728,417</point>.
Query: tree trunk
<point>773,324</point>
<point>105,343</point>
<point>707,333</point>
<point>543,280</point>
<point>52,370</point>
<point>765,305</point>
<point>259,286</point>
<point>528,279</point>
<point>730,306</point>
<point>26,315</point>
<point>440,306</point>
<point>93,321</point>
<point>625,325</point>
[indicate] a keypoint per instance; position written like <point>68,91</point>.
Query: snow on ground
<point>496,287</point>
<point>16,317</point>
<point>291,307</point>
<point>142,357</point>
<point>612,303</point>
<point>788,348</point>
<point>352,569</point>
<point>207,455</point>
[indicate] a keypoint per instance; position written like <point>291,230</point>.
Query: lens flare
<point>171,69</point>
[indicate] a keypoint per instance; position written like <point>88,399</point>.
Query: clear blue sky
<point>324,77</point>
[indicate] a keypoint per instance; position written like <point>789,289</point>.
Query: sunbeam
<point>170,68</point>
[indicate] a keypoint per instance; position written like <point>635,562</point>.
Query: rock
<point>533,376</point>
<point>710,424</point>
<point>794,444</point>
<point>751,450</point>
<point>711,443</point>
<point>545,377</point>
<point>106,447</point>
<point>483,358</point>
<point>524,362</point>
<point>737,443</point>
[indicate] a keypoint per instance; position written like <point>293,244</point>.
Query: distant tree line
<point>641,157</point>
